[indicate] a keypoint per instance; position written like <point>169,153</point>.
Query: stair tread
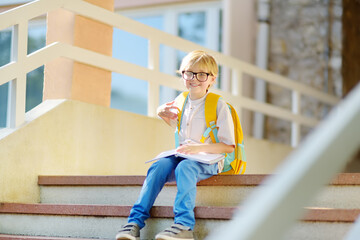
<point>201,212</point>
<point>23,237</point>
<point>219,180</point>
<point>223,180</point>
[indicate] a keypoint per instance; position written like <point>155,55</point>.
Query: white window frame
<point>212,9</point>
<point>38,22</point>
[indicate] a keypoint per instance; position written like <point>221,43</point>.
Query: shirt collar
<point>197,101</point>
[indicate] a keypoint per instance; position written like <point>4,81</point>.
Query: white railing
<point>272,209</point>
<point>21,63</point>
<point>354,233</point>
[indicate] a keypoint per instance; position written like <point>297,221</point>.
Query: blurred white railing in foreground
<point>354,233</point>
<point>21,63</point>
<point>272,209</point>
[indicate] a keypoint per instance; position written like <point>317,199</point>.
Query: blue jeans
<point>186,173</point>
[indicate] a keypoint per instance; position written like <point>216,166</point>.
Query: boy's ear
<point>213,78</point>
<point>212,82</point>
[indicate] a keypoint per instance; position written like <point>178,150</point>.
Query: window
<point>197,22</point>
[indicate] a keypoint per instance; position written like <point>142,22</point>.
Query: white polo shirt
<point>193,123</point>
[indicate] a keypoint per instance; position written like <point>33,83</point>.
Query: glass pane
<point>221,29</point>
<point>34,88</point>
<point>132,48</point>
<point>35,78</point>
<point>3,104</point>
<point>5,45</point>
<point>192,27</point>
<point>167,94</point>
<point>152,21</point>
<point>129,47</point>
<point>127,93</point>
<point>168,56</point>
<point>36,37</point>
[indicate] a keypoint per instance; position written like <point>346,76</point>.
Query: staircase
<point>94,207</point>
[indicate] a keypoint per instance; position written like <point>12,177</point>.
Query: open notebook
<point>207,158</point>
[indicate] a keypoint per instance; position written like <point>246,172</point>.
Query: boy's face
<point>196,88</point>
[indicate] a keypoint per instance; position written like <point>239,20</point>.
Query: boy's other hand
<point>190,148</point>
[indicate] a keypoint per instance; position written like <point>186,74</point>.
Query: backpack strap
<point>239,164</point>
<point>211,117</point>
<point>180,102</point>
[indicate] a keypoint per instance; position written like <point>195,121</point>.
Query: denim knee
<point>188,168</point>
<point>199,171</point>
<point>164,167</point>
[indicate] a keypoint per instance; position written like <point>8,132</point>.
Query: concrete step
<point>18,237</point>
<point>95,221</point>
<point>342,192</point>
<point>103,221</point>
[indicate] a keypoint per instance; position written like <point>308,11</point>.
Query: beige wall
<point>75,138</point>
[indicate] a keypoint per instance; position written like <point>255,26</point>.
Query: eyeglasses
<point>200,76</point>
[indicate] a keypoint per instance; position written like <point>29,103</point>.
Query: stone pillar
<point>239,41</point>
<point>67,79</point>
<point>350,59</point>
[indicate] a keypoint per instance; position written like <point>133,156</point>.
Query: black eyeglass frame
<point>195,74</point>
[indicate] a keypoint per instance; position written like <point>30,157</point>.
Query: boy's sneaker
<point>130,231</point>
<point>176,231</point>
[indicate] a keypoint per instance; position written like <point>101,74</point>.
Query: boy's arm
<point>207,147</point>
<point>168,112</point>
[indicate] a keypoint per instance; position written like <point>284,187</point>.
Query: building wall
<point>66,137</point>
<point>305,45</point>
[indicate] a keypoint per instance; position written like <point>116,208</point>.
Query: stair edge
<point>137,180</point>
<point>201,212</point>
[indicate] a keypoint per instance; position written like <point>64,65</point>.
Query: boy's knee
<point>163,162</point>
<point>162,165</point>
<point>187,166</point>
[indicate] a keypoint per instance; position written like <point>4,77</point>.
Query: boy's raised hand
<point>168,112</point>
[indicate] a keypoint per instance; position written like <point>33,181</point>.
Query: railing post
<point>295,127</point>
<point>17,87</point>
<point>236,83</point>
<point>153,89</point>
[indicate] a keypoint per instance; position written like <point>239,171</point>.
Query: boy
<point>199,71</point>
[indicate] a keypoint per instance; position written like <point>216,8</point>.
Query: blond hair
<point>201,59</point>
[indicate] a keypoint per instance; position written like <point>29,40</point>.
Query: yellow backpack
<point>235,162</point>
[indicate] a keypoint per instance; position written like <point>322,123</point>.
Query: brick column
<point>67,79</point>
